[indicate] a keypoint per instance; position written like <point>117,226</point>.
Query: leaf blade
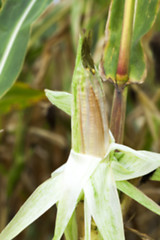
<point>38,203</point>
<point>138,196</point>
<point>137,69</point>
<point>71,232</point>
<point>103,203</point>
<point>19,97</point>
<point>156,175</point>
<point>87,220</point>
<point>15,20</point>
<point>137,163</point>
<point>148,11</point>
<point>61,100</point>
<point>113,35</point>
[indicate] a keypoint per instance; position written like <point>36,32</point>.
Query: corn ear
<point>90,132</point>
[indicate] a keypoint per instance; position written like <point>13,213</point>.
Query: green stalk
<point>118,114</point>
<point>120,92</point>
<point>126,38</point>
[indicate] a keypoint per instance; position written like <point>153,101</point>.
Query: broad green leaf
<point>20,96</point>
<point>113,36</point>
<point>156,175</point>
<point>71,232</point>
<point>44,197</point>
<point>16,18</point>
<point>103,203</point>
<point>143,10</point>
<point>137,70</point>
<point>87,220</point>
<point>137,163</point>
<point>61,100</point>
<point>78,169</point>
<point>138,196</point>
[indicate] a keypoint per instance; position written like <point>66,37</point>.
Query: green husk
<point>89,117</point>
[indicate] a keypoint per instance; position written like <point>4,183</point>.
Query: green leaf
<point>77,10</point>
<point>44,197</point>
<point>77,170</point>
<point>16,18</point>
<point>71,232</point>
<point>20,96</point>
<point>120,172</point>
<point>103,203</point>
<point>137,163</point>
<point>144,18</point>
<point>61,100</point>
<point>138,196</point>
<point>146,12</point>
<point>137,69</point>
<point>48,25</point>
<point>156,175</point>
<point>87,220</point>
<point>113,36</point>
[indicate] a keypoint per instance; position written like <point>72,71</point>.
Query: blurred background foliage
<point>36,137</point>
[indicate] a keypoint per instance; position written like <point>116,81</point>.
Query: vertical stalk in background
<point>3,202</point>
<point>19,155</point>
<point>118,113</point>
<point>120,92</point>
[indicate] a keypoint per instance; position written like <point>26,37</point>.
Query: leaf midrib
<point>14,34</point>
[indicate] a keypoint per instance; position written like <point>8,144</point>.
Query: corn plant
<point>99,166</point>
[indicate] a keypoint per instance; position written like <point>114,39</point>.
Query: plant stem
<point>118,113</point>
<point>120,92</point>
<point>126,37</point>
